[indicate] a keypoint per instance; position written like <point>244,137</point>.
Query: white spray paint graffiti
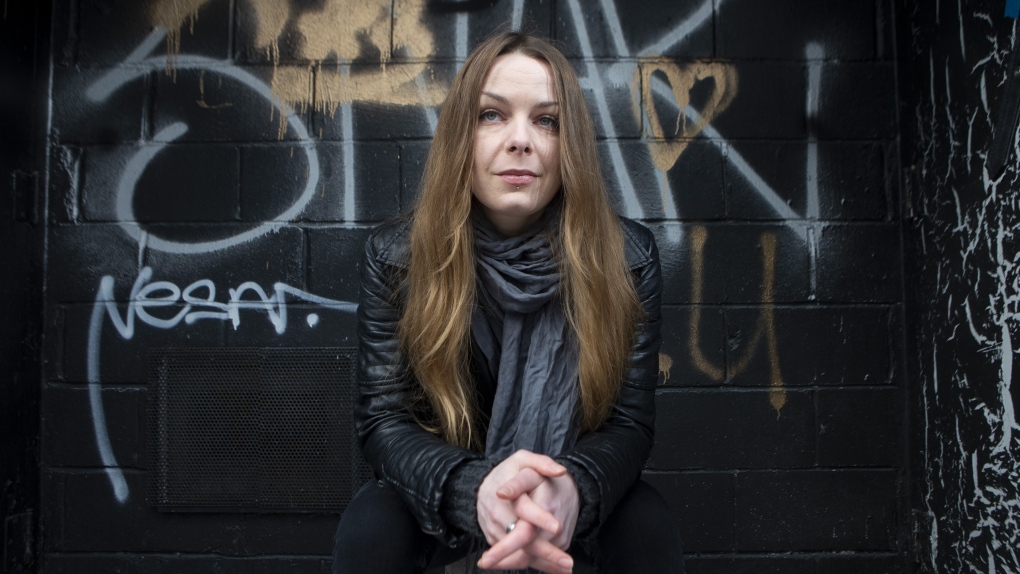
<point>139,63</point>
<point>193,307</point>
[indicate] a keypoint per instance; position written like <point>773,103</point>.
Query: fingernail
<point>503,492</point>
<point>566,563</point>
<point>485,562</point>
<point>553,526</point>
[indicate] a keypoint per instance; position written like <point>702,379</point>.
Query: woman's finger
<point>524,481</point>
<point>522,534</point>
<point>526,509</point>
<point>541,463</point>
<point>540,555</point>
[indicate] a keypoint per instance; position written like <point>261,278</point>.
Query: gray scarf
<point>524,337</point>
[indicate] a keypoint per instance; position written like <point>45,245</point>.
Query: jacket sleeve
<point>614,455</point>
<point>415,462</point>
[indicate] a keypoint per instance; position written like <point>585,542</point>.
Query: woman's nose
<point>519,140</point>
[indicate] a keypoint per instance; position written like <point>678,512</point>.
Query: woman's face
<point>516,169</point>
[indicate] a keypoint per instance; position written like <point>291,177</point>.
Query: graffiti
<point>197,301</point>
<point>764,329</point>
<point>666,148</point>
<point>378,52</point>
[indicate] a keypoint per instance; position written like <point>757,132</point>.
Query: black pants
<point>378,534</point>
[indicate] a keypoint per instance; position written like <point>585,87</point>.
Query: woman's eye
<point>548,122</point>
<point>489,115</point>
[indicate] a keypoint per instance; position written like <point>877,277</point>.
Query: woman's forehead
<point>517,72</point>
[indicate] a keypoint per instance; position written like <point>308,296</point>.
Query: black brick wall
<point>780,437</point>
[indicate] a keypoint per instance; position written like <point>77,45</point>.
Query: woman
<point>509,338</point>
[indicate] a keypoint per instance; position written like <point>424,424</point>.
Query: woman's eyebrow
<point>501,99</point>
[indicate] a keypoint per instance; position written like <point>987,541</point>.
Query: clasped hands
<point>535,495</point>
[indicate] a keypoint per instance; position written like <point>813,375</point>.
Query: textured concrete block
<point>728,564</point>
<point>134,527</point>
<point>80,255</point>
<point>857,101</point>
<point>274,179</point>
<point>860,427</point>
<point>817,510</point>
<point>643,28</point>
<point>703,502</point>
<point>735,262</point>
<point>859,263</point>
<point>205,191</point>
<point>733,429</point>
<point>68,432</point>
<point>235,104</point>
<point>693,346</point>
<point>769,103</point>
<point>109,30</point>
<point>123,355</point>
<point>116,117</point>
<point>813,345</point>
<point>843,29</point>
<point>335,256</point>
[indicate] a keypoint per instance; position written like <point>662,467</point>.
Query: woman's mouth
<point>517,177</point>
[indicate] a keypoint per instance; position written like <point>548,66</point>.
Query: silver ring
<point>506,146</point>
<point>510,527</point>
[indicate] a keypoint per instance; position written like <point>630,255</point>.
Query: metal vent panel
<point>252,429</point>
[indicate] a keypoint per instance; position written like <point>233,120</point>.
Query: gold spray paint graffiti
<point>765,328</point>
<point>364,31</point>
<point>666,148</point>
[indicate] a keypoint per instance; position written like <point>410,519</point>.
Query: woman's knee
<point>378,534</point>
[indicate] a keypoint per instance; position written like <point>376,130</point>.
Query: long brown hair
<point>598,291</point>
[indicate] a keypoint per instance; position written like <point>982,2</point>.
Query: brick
<point>733,258</point>
<point>733,429</point>
<point>704,504</point>
<point>206,191</point>
<point>376,182</point>
<point>690,362</point>
<point>781,165</point>
<point>335,255</point>
<point>749,565</point>
<point>857,101</point>
<point>695,181</point>
<point>780,30</point>
<point>274,177</point>
<point>859,263</point>
<point>216,106</point>
<point>647,27</point>
<point>272,256</point>
<point>135,527</point>
<point>390,103</point>
<point>439,23</point>
<point>852,180</point>
<point>68,432</point>
<point>815,346</point>
<point>617,87</point>
<point>111,29</point>
<point>861,564</point>
<point>860,427</point>
<point>173,564</point>
<point>816,510</point>
<point>769,104</point>
<point>116,118</point>
<point>80,255</point>
<point>125,361</point>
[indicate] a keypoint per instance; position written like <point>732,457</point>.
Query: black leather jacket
<point>417,463</point>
